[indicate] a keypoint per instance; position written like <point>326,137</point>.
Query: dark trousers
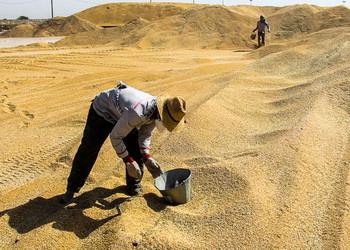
<point>261,38</point>
<point>95,133</point>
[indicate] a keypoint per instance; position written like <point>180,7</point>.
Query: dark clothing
<point>261,38</point>
<point>95,133</point>
<point>132,145</point>
<point>260,27</point>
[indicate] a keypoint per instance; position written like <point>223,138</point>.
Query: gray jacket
<point>127,108</point>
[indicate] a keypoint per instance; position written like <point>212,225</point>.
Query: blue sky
<point>41,8</point>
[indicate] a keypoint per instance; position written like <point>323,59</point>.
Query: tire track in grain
<point>27,166</point>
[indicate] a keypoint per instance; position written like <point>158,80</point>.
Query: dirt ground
<point>269,152</point>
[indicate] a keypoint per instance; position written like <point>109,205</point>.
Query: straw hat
<point>171,111</point>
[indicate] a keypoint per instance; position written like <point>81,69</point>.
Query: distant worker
<point>260,26</point>
<point>128,116</point>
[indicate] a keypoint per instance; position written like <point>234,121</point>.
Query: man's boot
<point>67,197</point>
<point>134,190</point>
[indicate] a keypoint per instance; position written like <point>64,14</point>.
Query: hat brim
<point>168,122</point>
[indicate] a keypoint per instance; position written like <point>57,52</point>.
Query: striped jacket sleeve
<point>145,134</point>
<point>127,122</point>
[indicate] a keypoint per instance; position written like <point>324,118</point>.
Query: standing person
<point>260,26</point>
<point>128,116</point>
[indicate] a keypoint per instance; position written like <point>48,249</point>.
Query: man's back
<point>261,25</point>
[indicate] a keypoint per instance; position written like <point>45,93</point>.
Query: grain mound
<point>189,26</point>
<point>64,26</point>
<point>333,17</point>
<point>60,26</point>
<point>121,13</point>
<point>22,30</point>
<point>105,36</point>
<point>254,11</point>
<point>203,27</point>
<point>320,51</point>
<point>298,19</point>
<point>206,27</point>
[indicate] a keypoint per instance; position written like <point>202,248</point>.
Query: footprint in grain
<point>8,107</point>
<point>3,98</point>
<point>26,114</point>
<point>11,107</point>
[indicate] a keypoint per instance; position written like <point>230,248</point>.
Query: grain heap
<point>60,26</point>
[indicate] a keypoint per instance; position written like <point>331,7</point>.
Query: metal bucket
<point>175,185</point>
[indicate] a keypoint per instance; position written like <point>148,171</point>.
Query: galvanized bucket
<point>175,185</point>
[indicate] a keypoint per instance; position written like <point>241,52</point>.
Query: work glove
<point>152,165</point>
<point>132,167</point>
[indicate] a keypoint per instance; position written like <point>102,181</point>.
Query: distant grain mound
<point>64,27</point>
<point>254,11</point>
<point>333,17</point>
<point>292,19</point>
<point>21,30</point>
<point>53,27</point>
<point>206,27</point>
<point>119,14</point>
<point>202,27</point>
<point>105,36</point>
<point>299,19</point>
<point>326,50</point>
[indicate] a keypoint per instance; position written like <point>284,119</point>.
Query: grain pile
<point>183,25</point>
<point>299,19</point>
<point>188,26</point>
<point>317,52</point>
<point>22,30</point>
<point>267,139</point>
<point>206,27</point>
<point>202,27</point>
<point>60,26</point>
<point>254,11</point>
<point>122,13</point>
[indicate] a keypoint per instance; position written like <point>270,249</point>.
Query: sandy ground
<point>14,42</point>
<point>269,153</point>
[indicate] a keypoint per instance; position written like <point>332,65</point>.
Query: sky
<point>11,9</point>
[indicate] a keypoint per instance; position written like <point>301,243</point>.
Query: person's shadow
<point>41,211</point>
<point>156,203</point>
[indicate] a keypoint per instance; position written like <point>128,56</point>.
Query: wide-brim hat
<point>171,110</point>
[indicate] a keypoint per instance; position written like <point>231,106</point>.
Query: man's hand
<point>132,168</point>
<point>152,166</point>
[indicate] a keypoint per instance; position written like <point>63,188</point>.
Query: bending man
<point>128,116</point>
